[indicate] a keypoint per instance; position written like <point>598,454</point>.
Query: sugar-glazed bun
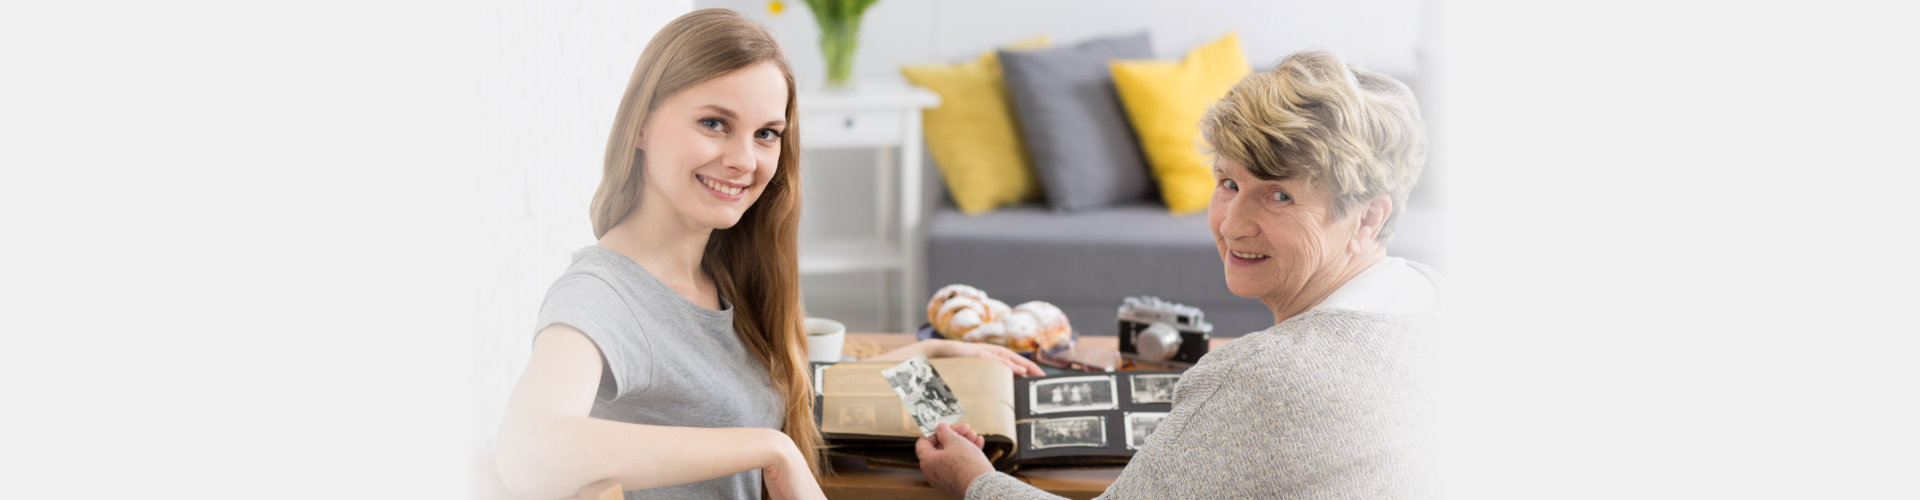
<point>948,292</point>
<point>958,309</point>
<point>1032,325</point>
<point>962,312</point>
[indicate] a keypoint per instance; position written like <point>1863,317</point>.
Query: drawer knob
<point>849,122</point>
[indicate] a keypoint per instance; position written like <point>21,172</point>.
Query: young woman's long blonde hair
<point>756,262</point>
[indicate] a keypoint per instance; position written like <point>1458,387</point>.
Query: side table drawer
<point>850,128</point>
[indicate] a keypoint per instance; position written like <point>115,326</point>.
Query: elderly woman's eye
<point>1280,196</point>
<point>1229,185</point>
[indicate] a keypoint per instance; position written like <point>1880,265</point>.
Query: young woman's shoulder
<point>595,296</point>
<point>594,280</point>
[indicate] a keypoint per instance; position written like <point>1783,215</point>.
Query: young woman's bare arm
<point>940,348</point>
<point>548,447</point>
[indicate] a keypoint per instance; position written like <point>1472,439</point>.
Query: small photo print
<point>1071,394</point>
<point>1086,432</point>
<point>862,415</point>
<point>925,395</point>
<point>859,417</point>
<point>1153,388</point>
<point>1141,425</point>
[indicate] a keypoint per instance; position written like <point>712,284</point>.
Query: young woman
<point>670,355</point>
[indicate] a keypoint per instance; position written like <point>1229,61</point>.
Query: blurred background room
<point>882,227</point>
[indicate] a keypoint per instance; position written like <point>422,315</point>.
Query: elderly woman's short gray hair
<point>1353,131</point>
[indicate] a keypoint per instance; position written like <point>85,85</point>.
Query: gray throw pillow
<point>1082,145</point>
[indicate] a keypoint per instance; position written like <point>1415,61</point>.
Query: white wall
<point>287,247</point>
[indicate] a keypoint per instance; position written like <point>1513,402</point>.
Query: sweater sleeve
<point>997,485</point>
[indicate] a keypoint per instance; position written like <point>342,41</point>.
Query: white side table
<point>885,117</point>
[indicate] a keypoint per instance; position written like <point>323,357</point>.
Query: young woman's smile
<point>724,190</point>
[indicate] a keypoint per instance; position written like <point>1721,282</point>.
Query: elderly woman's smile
<point>1279,239</point>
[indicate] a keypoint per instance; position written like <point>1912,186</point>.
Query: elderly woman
<point>1313,160</point>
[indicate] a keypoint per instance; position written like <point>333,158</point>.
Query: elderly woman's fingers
<point>966,431</point>
<point>948,465</point>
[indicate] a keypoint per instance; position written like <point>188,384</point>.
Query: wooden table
<point>853,479</point>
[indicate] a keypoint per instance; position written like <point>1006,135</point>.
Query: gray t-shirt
<point>668,360</point>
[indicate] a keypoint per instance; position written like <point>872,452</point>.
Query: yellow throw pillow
<point>1165,101</point>
<point>973,136</point>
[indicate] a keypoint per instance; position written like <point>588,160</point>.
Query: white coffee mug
<point>825,338</point>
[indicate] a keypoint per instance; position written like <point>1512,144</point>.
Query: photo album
<point>876,410</point>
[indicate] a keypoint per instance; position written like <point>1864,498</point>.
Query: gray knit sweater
<point>1322,405</point>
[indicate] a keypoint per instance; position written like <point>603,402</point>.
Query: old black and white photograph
<point>925,395</point>
<point>1157,388</point>
<point>1088,432</point>
<point>1071,394</point>
<point>1141,425</point>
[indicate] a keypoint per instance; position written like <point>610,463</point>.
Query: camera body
<point>1157,331</point>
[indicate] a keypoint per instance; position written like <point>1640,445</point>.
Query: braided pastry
<point>958,309</point>
<point>962,312</point>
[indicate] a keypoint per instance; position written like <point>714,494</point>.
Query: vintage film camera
<point>1157,331</point>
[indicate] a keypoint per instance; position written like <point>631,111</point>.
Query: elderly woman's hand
<point>951,458</point>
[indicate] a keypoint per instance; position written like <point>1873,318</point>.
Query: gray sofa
<point>1087,262</point>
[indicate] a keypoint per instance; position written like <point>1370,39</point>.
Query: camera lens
<point>1158,342</point>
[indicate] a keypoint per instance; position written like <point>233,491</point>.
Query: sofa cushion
<point>972,134</point>
<point>1165,101</point>
<point>1082,147</point>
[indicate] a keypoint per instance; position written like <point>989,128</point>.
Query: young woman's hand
<point>789,478</point>
<point>951,459</point>
<point>1020,365</point>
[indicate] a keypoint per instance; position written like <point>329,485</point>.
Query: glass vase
<point>838,39</point>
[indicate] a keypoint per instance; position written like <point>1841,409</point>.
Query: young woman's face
<point>711,149</point>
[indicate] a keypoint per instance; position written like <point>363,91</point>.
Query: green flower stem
<point>838,40</point>
<point>839,22</point>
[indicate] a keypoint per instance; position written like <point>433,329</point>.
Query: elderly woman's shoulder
<point>1334,324</point>
<point>1332,337</point>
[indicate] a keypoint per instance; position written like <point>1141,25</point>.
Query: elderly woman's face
<point>1279,239</point>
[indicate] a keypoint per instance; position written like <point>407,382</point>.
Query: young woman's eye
<point>713,124</point>
<point>767,134</point>
<point>1279,196</point>
<point>1229,185</point>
